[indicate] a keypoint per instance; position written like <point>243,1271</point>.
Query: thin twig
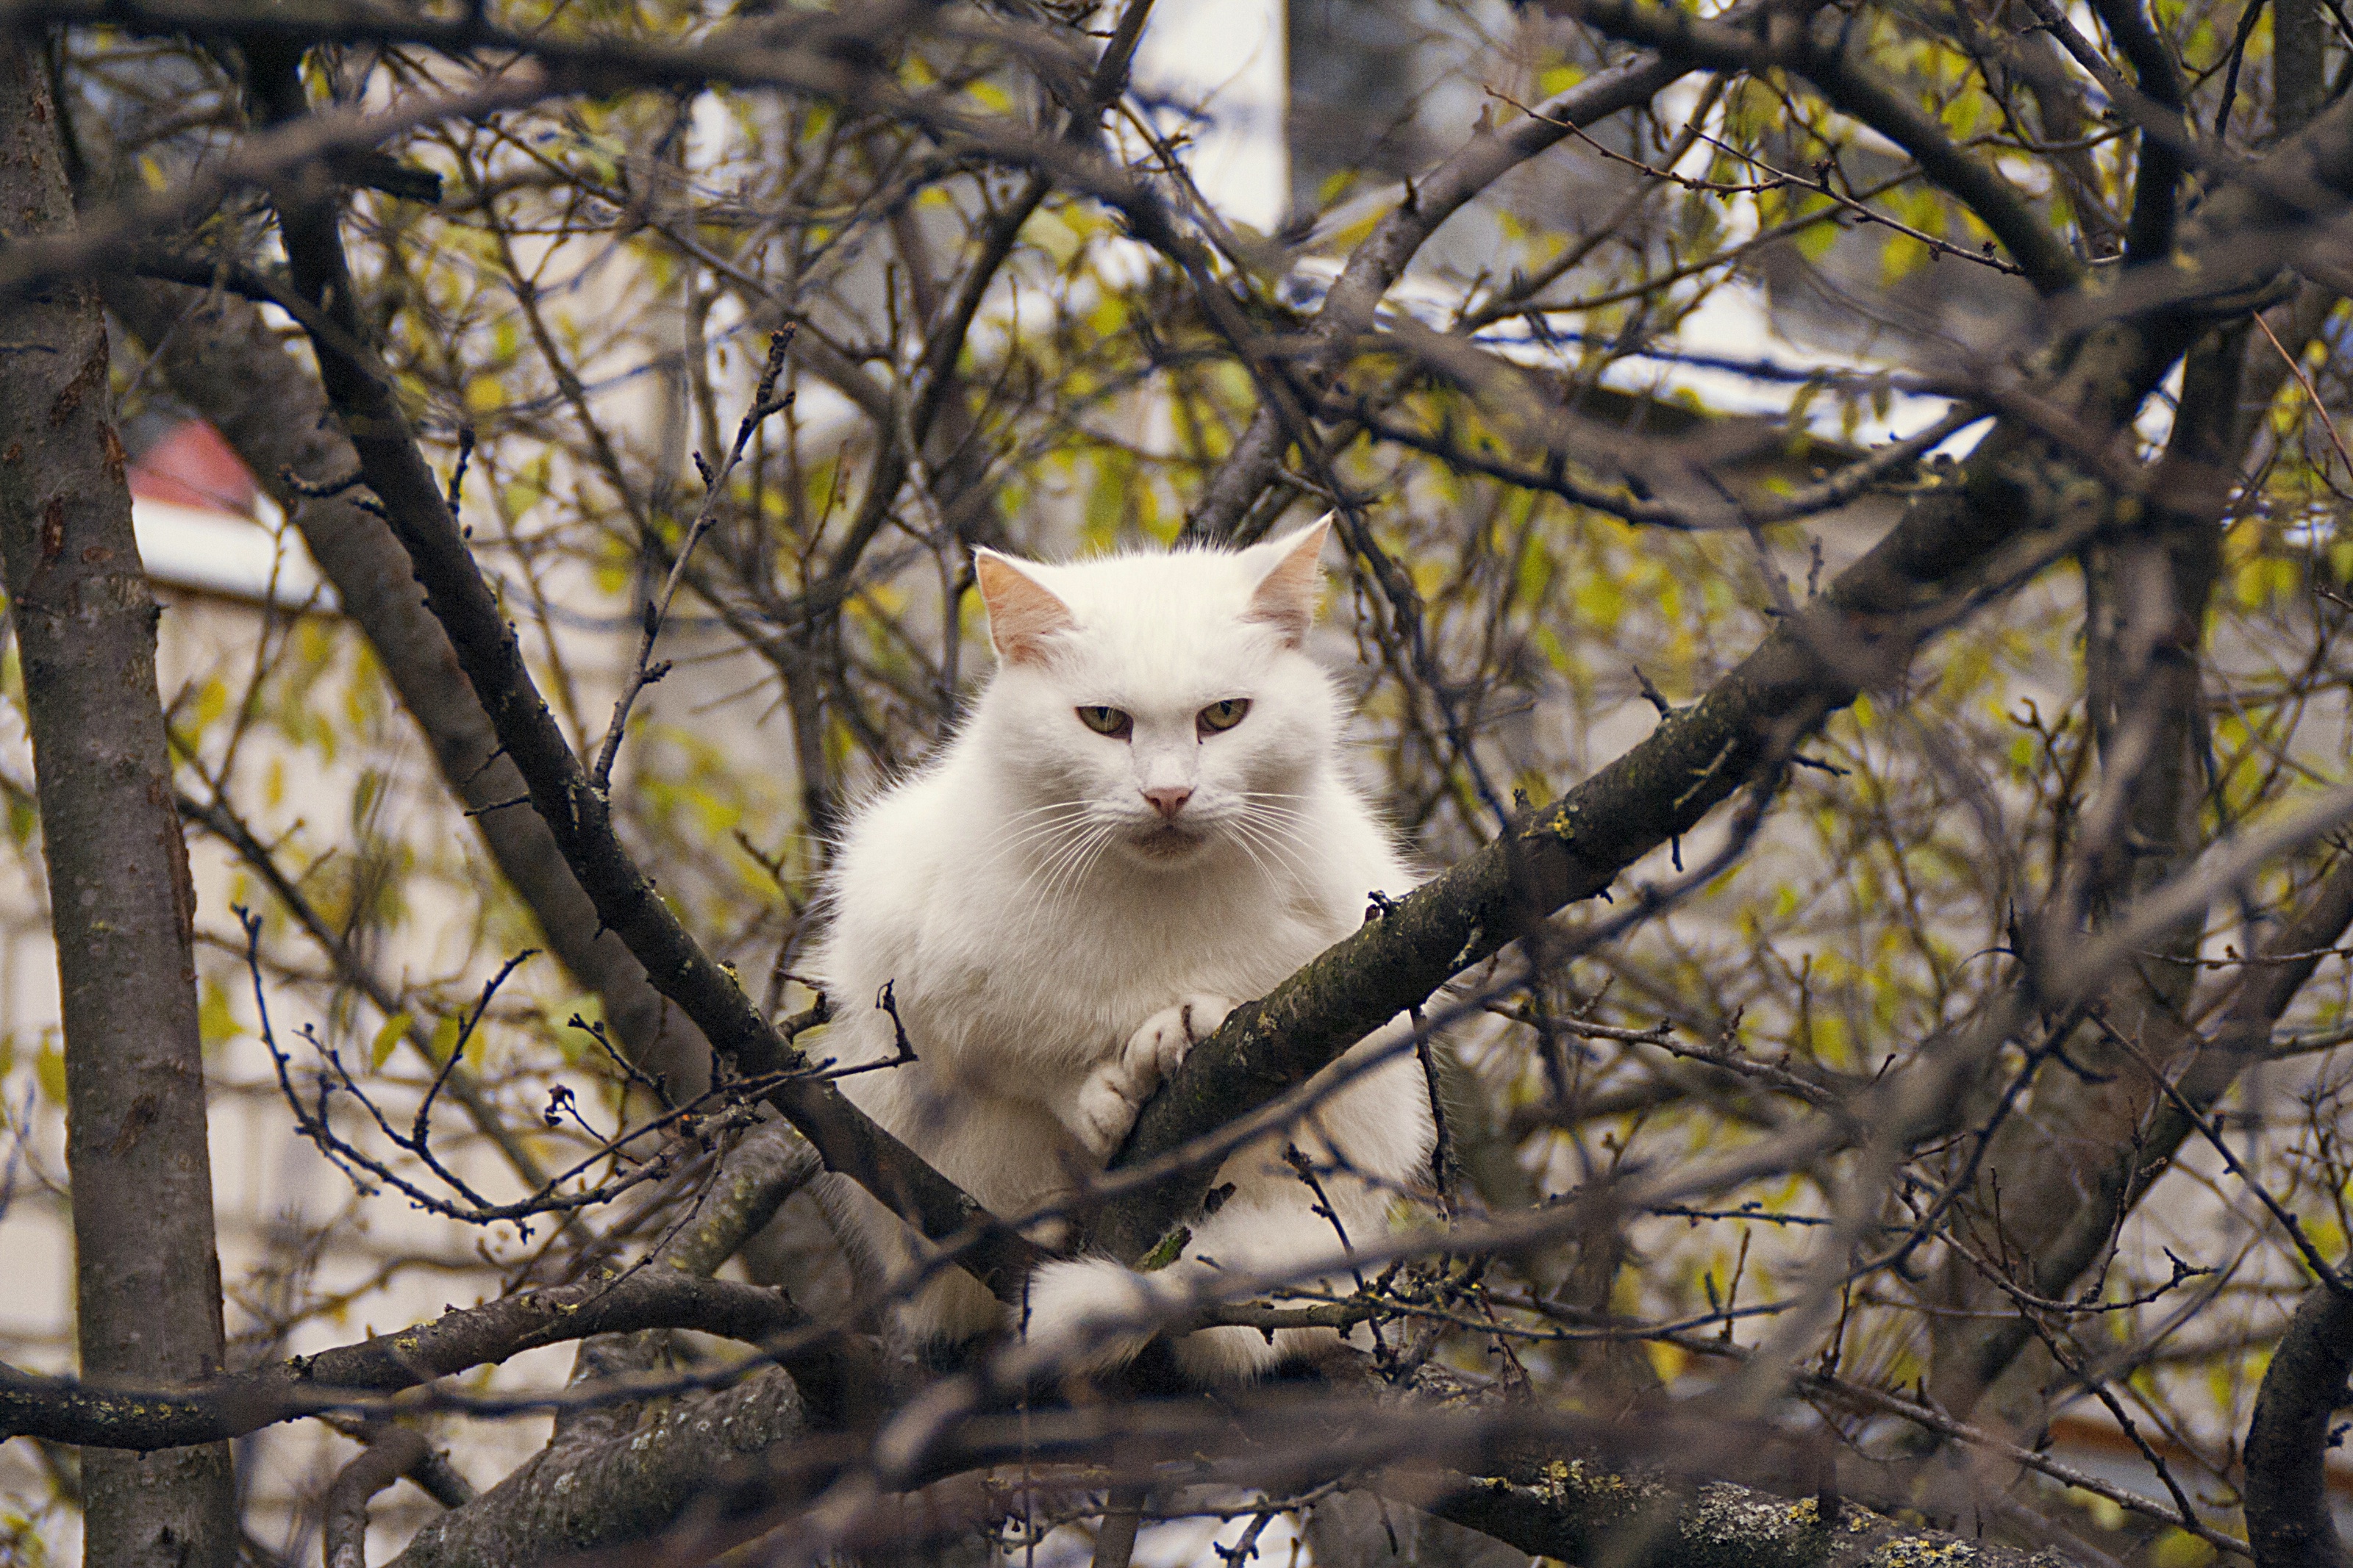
<point>643,671</point>
<point>2296,368</point>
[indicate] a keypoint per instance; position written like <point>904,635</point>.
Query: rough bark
<point>1580,1512</point>
<point>2286,1498</point>
<point>2299,62</point>
<point>147,1278</point>
<point>544,1508</point>
<point>716,1468</point>
<point>384,1460</point>
<point>1584,1492</point>
<point>221,360</point>
<point>770,1164</point>
<point>625,1488</point>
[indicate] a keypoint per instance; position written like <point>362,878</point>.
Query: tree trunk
<point>147,1278</point>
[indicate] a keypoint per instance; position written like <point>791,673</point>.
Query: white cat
<point>1144,819</point>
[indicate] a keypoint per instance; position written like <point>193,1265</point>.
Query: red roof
<point>194,466</point>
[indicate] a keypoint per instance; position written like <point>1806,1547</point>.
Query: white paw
<point>1116,1091</point>
<point>1107,1103</point>
<point>1169,1034</point>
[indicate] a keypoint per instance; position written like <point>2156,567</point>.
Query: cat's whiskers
<point>1045,835</point>
<point>1056,900</point>
<point>1025,837</point>
<point>1278,808</point>
<point>1048,865</point>
<point>1043,818</point>
<point>1065,805</point>
<point>1278,837</point>
<point>1101,841</point>
<point>1243,832</point>
<point>1270,807</point>
<point>1037,843</point>
<point>1064,868</point>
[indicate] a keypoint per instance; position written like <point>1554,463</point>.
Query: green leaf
<point>50,1071</point>
<point>216,1020</point>
<point>386,1038</point>
<point>1164,1251</point>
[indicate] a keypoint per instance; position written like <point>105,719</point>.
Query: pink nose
<point>1168,801</point>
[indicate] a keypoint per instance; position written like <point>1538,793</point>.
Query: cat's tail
<point>1091,1314</point>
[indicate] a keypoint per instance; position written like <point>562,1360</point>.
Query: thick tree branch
<point>672,1291</point>
<point>625,1488</point>
<point>2288,1440</point>
<point>608,1475</point>
<point>2157,182</point>
<point>1551,1507</point>
<point>388,1457</point>
<point>769,1165</point>
<point>657,1296</point>
<point>1552,1484</point>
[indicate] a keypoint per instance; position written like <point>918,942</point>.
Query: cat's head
<point>1160,702</point>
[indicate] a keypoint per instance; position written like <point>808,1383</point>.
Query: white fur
<point>1044,958</point>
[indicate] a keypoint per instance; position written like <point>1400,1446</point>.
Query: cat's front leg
<point>1111,1095</point>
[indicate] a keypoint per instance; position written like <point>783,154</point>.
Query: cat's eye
<point>1109,721</point>
<point>1221,716</point>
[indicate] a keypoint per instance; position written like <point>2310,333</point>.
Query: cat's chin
<point>1167,844</point>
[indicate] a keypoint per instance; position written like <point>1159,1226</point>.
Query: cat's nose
<point>1168,799</point>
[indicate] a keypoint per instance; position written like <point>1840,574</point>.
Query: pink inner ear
<point>1286,596</point>
<point>1022,612</point>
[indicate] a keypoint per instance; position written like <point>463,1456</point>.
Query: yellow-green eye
<point>1221,716</point>
<point>1107,722</point>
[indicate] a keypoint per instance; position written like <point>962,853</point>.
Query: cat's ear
<point>1286,596</point>
<point>1022,612</point>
